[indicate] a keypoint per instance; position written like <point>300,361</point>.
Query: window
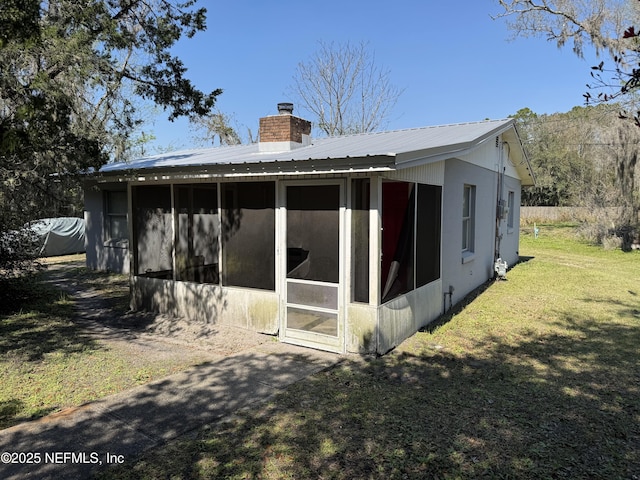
<point>248,234</point>
<point>197,226</point>
<point>153,231</point>
<point>511,206</point>
<point>468,218</point>
<point>116,216</point>
<point>429,207</point>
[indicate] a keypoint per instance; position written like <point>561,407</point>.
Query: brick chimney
<point>284,132</point>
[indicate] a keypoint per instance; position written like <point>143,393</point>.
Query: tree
<point>216,124</point>
<point>344,89</point>
<point>561,149</point>
<point>582,22</point>
<point>621,81</point>
<point>604,24</point>
<point>586,157</point>
<point>70,74</point>
<point>624,141</point>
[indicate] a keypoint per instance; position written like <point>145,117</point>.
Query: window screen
<point>313,232</point>
<point>197,229</point>
<point>398,212</point>
<point>248,234</point>
<point>428,220</point>
<point>360,203</point>
<point>154,231</point>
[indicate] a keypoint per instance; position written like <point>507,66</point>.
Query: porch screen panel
<point>315,295</point>
<point>248,234</point>
<point>428,234</point>
<point>153,231</point>
<point>398,212</point>
<point>197,231</point>
<point>313,232</point>
<point>184,234</point>
<point>360,203</point>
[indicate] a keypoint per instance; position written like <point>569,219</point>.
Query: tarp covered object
<point>60,236</point>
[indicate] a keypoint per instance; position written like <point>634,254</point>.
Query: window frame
<point>110,216</point>
<point>511,199</point>
<point>468,220</point>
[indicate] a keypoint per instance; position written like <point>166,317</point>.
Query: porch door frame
<point>304,337</point>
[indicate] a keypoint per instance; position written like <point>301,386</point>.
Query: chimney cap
<point>285,108</point>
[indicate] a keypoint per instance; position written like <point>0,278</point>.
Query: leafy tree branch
<point>75,77</point>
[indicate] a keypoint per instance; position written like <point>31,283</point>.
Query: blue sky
<point>453,61</point>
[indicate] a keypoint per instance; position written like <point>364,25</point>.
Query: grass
<point>48,363</point>
<point>537,377</point>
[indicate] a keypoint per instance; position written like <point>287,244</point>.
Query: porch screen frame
<point>417,257</point>
<point>303,337</point>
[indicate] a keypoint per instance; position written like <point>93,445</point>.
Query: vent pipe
<point>285,108</point>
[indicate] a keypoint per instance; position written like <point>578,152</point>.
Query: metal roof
<point>394,149</point>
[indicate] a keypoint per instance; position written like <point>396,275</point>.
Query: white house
<point>347,244</point>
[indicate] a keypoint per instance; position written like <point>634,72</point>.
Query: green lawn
<point>537,377</point>
<point>48,363</point>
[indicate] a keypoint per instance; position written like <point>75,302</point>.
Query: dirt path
<point>101,311</point>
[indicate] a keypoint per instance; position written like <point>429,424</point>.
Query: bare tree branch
<point>344,89</point>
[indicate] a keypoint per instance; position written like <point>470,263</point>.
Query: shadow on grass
<point>559,405</point>
<point>10,412</point>
<point>148,416</point>
<point>101,299</point>
<point>562,405</point>
<point>41,324</point>
<point>626,309</point>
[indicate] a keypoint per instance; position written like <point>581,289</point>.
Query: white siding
<point>464,277</point>
<point>403,316</point>
<point>487,155</point>
<point>510,242</point>
<point>431,174</point>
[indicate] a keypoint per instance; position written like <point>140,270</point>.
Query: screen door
<point>313,272</point>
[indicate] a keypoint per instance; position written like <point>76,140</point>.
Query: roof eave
<point>432,155</point>
<point>288,167</point>
<point>522,163</point>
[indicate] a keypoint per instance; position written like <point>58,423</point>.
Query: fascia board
<point>292,167</point>
<point>522,164</point>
